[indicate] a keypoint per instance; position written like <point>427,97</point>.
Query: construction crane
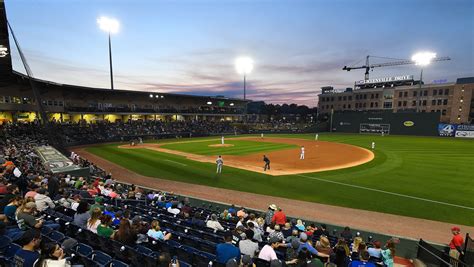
<point>399,62</point>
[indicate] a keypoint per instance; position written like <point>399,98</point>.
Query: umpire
<point>267,163</point>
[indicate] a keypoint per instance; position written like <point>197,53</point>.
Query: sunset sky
<point>189,46</point>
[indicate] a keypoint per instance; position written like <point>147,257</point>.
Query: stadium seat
<point>184,264</point>
<point>11,250</point>
<point>261,263</point>
<point>83,249</point>
<point>56,236</point>
<point>5,241</point>
<point>100,257</point>
<point>116,263</point>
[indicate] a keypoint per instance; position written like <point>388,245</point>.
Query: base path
<point>389,224</point>
<point>319,156</point>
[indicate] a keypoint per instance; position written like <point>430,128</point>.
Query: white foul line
<point>182,164</point>
<point>387,192</point>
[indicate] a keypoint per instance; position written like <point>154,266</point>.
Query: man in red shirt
<point>279,217</point>
<point>455,246</point>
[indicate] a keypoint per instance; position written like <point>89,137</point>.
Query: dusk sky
<point>189,46</point>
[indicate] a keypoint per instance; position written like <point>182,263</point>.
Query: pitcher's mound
<point>221,145</point>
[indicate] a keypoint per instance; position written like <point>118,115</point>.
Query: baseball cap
<point>455,228</point>
<point>303,236</point>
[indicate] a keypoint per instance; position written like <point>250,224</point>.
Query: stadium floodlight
<point>110,26</point>
<point>209,102</point>
<point>151,95</point>
<point>423,58</point>
<point>244,65</point>
<point>231,104</point>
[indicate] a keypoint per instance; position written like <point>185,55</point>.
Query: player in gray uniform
<point>220,163</point>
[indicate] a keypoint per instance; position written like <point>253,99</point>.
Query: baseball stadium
<point>376,174</point>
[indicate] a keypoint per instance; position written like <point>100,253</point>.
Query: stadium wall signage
<point>408,123</point>
<point>57,162</point>
<point>454,130</point>
<point>386,79</point>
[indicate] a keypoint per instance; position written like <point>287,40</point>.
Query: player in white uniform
<point>302,152</point>
<point>316,137</point>
<point>373,145</point>
<point>220,163</point>
<point>222,140</point>
<point>261,135</point>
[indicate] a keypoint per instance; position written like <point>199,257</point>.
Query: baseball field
<point>423,177</point>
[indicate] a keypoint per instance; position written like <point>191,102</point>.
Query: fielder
<point>267,163</point>
<point>261,135</point>
<point>302,152</point>
<point>222,140</point>
<point>373,145</point>
<point>316,137</point>
<point>220,163</point>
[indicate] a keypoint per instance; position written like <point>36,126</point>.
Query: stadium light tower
<point>110,26</point>
<point>422,59</point>
<point>244,65</point>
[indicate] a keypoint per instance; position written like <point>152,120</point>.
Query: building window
<point>344,106</point>
<point>332,98</point>
<point>387,105</point>
<point>446,91</point>
<point>443,112</point>
<point>435,92</point>
<point>371,104</point>
<point>424,102</point>
<point>349,106</point>
<point>344,98</point>
<point>339,98</point>
<point>405,94</point>
<point>445,102</point>
<point>365,105</point>
<point>377,95</point>
<point>440,101</point>
<point>415,93</point>
<point>433,102</point>
<point>413,103</point>
<point>350,97</point>
<point>425,93</point>
<point>404,103</point>
<point>365,96</point>
<point>440,92</point>
<point>399,103</point>
<point>400,94</point>
<point>376,104</point>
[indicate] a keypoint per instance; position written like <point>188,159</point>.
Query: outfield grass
<point>432,168</point>
<point>241,147</point>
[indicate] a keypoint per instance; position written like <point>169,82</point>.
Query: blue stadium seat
<point>56,236</point>
<point>184,264</point>
<point>116,263</point>
<point>100,257</point>
<point>5,241</point>
<point>83,249</point>
<point>11,250</point>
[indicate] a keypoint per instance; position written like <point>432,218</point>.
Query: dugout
<point>406,123</point>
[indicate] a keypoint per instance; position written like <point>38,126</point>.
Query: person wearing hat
<point>98,204</point>
<point>28,255</point>
<point>304,244</point>
<point>269,215</point>
<point>226,251</point>
<point>455,246</point>
<point>323,245</point>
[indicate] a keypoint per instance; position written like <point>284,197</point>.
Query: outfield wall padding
<point>399,123</point>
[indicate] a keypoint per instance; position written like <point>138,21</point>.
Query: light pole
<point>422,59</point>
<point>110,26</point>
<point>244,65</point>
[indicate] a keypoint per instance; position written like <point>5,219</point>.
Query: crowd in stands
<point>51,219</point>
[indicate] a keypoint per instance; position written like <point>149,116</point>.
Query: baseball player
<point>261,135</point>
<point>220,163</point>
<point>267,163</point>
<point>373,145</point>
<point>316,137</point>
<point>302,152</point>
<point>222,140</point>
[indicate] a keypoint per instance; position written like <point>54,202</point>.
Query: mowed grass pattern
<point>434,168</point>
<point>240,147</point>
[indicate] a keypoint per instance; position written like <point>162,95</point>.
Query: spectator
<point>322,230</point>
<point>10,209</point>
<point>300,225</point>
<point>104,228</point>
<point>94,221</point>
<point>28,255</point>
<point>388,253</point>
<point>82,215</point>
<point>156,233</point>
<point>292,250</point>
<point>12,191</point>
<point>294,236</point>
<point>97,204</point>
<point>237,235</point>
<point>226,251</point>
<point>376,250</point>
<point>241,213</point>
<point>277,234</point>
<point>323,245</point>
<point>363,261</point>
<point>25,217</point>
<point>197,221</point>
<point>346,234</point>
<point>341,258</point>
<point>455,246</point>
<point>257,233</point>
<point>214,224</point>
<point>279,217</point>
<point>248,246</point>
<point>52,255</point>
<point>287,229</point>
<point>125,234</point>
<point>268,253</point>
<point>269,215</point>
<point>304,243</point>
<point>53,186</point>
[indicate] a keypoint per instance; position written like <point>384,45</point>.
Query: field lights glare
<point>108,24</point>
<point>423,58</point>
<point>243,65</point>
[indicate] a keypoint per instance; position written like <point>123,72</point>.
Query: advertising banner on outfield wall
<point>465,131</point>
<point>446,129</point>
